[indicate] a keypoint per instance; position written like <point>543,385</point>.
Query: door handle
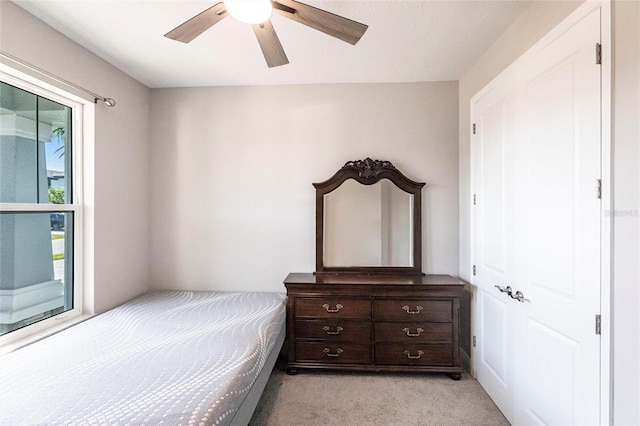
<point>519,296</point>
<point>506,289</point>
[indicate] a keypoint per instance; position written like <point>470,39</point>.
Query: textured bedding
<point>170,357</point>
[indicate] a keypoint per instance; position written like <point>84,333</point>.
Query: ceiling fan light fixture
<point>249,11</point>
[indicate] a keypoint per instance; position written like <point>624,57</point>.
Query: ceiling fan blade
<point>321,20</point>
<point>270,44</point>
<point>198,24</point>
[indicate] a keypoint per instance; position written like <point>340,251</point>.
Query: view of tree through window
<point>36,243</point>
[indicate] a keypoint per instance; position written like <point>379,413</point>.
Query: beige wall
<point>538,20</point>
<point>232,202</point>
<point>626,220</point>
<point>118,205</point>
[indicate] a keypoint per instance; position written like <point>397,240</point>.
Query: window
<point>40,281</point>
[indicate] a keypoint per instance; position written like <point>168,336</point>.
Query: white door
<point>537,229</point>
<point>557,230</point>
<point>494,260</point>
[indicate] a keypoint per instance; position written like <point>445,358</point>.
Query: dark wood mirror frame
<point>368,172</point>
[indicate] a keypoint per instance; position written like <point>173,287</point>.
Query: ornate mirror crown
<point>368,220</point>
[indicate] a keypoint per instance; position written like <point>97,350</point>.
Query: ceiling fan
<point>258,12</point>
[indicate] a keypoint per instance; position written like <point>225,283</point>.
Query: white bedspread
<point>170,357</point>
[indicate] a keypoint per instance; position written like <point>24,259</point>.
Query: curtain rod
<point>110,102</point>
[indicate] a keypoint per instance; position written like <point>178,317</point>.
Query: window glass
<point>35,148</point>
<point>36,267</point>
<point>18,133</point>
<point>55,131</point>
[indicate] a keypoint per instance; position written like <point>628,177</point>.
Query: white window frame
<point>82,112</point>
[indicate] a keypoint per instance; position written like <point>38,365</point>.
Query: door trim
<point>606,219</point>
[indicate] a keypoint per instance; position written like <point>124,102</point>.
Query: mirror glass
<point>368,225</point>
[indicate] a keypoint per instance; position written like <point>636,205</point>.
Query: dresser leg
<point>292,371</point>
<point>455,376</point>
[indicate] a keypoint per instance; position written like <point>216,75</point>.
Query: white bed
<point>169,357</point>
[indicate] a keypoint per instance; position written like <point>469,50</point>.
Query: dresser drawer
<point>415,310</point>
<point>412,332</point>
<point>418,354</point>
<point>334,353</point>
<point>332,307</point>
<point>333,329</point>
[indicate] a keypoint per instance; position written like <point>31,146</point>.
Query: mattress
<point>169,357</point>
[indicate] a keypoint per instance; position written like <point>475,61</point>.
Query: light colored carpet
<point>343,398</point>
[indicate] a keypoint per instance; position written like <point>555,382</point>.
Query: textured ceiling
<point>406,41</point>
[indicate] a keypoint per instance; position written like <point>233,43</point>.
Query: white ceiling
<point>407,41</point>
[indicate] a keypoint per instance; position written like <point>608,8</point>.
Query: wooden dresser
<point>376,322</point>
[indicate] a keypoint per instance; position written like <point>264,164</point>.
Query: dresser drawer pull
<point>418,332</point>
<point>332,311</point>
<point>408,354</point>
<point>333,333</point>
<point>409,311</point>
<point>327,351</point>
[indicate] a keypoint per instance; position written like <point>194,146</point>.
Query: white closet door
<point>537,159</point>
<point>557,230</point>
<point>493,249</point>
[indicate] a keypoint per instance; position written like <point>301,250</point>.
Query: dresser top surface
<point>372,279</point>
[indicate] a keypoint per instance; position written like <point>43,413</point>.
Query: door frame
<point>606,219</point>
